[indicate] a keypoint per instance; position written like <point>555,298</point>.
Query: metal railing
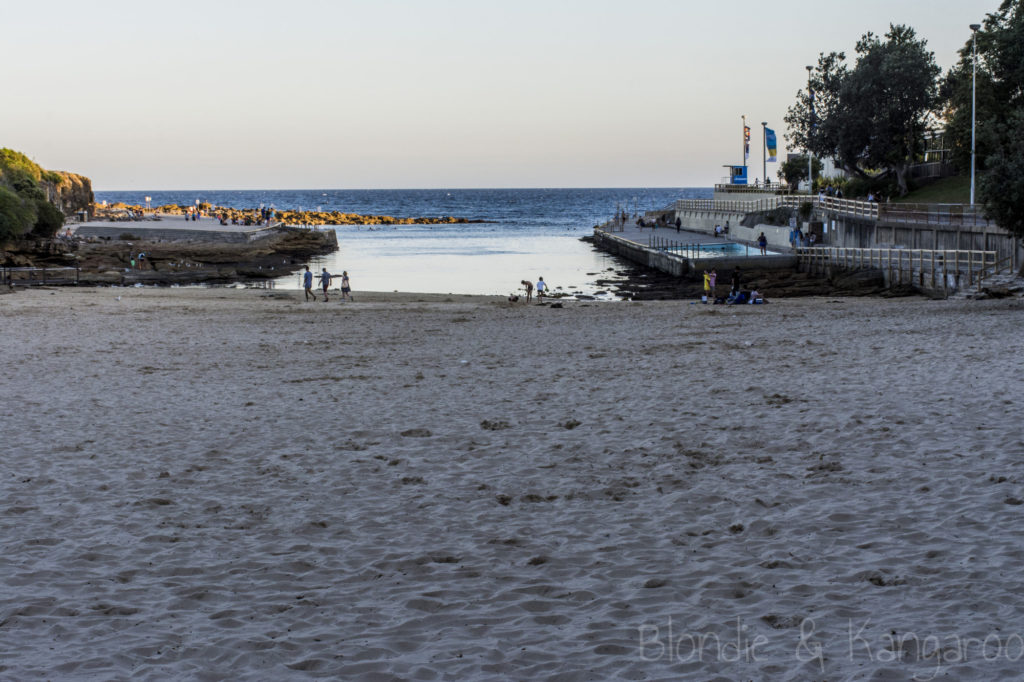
<point>776,188</point>
<point>693,250</point>
<point>938,215</point>
<point>28,277</point>
<point>933,268</point>
<point>955,215</point>
<point>730,205</point>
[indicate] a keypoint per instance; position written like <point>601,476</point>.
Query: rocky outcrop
<point>251,216</point>
<point>641,283</point>
<point>69,192</point>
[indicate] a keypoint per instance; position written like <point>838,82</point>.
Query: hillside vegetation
<point>27,192</point>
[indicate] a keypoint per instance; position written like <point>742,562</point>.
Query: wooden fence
<point>935,269</point>
<point>27,277</point>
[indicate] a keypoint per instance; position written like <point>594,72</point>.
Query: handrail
<point>39,276</point>
<point>776,188</point>
<point>936,264</point>
<point>928,214</point>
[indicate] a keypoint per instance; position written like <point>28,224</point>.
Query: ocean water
<point>527,233</point>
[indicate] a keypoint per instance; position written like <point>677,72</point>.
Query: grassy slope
<point>954,190</point>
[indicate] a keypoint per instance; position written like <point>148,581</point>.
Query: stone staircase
<point>1002,285</point>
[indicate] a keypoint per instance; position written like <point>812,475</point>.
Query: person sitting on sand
<point>307,283</point>
<point>528,285</point>
<point>542,286</point>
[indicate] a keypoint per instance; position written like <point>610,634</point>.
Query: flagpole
<point>743,155</point>
<point>764,151</point>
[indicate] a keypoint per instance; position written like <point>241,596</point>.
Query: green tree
<point>49,219</point>
<point>1001,181</point>
<point>17,215</point>
<point>872,117</point>
<point>820,135</point>
<point>794,171</point>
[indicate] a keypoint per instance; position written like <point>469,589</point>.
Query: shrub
<point>49,219</point>
<point>16,215</point>
<point>12,161</point>
<point>859,188</point>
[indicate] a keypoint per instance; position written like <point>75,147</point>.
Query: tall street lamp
<point>974,79</point>
<point>810,127</point>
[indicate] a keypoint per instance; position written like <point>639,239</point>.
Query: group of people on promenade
<point>325,279</point>
<point>662,220</point>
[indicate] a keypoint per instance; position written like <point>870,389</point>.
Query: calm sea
<point>528,233</point>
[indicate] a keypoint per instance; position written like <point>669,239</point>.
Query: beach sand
<point>233,484</point>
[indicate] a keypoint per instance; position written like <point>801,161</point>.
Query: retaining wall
<point>705,221</point>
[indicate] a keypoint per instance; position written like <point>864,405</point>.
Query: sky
<point>354,94</point>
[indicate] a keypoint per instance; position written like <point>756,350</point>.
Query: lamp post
<point>810,127</point>
<point>974,78</point>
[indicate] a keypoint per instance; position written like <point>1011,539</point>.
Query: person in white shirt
<point>542,286</point>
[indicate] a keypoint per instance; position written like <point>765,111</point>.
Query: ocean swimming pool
<point>713,250</point>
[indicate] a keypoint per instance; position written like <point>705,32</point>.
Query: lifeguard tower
<point>737,175</point>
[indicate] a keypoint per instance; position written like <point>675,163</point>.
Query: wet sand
<point>234,484</point>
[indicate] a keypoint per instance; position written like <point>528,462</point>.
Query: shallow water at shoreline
<point>528,233</point>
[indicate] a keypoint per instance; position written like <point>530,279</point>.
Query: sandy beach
<point>233,484</point>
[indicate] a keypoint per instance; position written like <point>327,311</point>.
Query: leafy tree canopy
<point>23,203</point>
<point>1000,145</point>
<point>871,117</point>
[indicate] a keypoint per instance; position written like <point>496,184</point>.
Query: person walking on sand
<point>346,287</point>
<point>307,283</point>
<point>542,286</point>
<point>707,285</point>
<point>712,280</point>
<point>325,281</point>
<point>528,285</point>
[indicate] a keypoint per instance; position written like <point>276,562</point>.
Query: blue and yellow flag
<point>773,147</point>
